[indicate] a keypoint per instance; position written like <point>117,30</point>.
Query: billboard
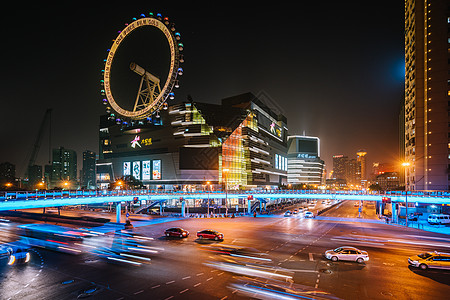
<point>146,170</point>
<point>137,169</point>
<point>126,168</point>
<point>156,166</point>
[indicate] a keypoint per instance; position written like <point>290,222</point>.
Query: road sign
<point>128,214</point>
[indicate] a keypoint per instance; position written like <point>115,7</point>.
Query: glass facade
<point>236,168</point>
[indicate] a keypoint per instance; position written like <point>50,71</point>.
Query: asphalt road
<point>291,252</point>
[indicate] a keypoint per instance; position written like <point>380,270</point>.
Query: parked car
<point>413,217</point>
<point>427,260</point>
<point>176,232</point>
<point>295,212</point>
<point>309,214</point>
<point>438,219</point>
<point>288,213</point>
<point>210,234</point>
<point>347,253</point>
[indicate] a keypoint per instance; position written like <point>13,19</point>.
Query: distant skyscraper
<point>427,92</point>
<point>339,166</point>
<point>64,167</point>
<point>34,176</point>
<point>88,171</point>
<point>361,158</point>
<point>352,173</point>
<point>7,173</point>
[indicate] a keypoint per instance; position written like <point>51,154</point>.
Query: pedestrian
<point>254,214</point>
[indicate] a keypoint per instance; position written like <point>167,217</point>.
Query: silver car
<point>347,253</point>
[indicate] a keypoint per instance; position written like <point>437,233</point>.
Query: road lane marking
<point>170,297</point>
<point>156,286</point>
<point>187,277</point>
<point>170,282</point>
<point>311,258</point>
<point>200,274</point>
<point>138,292</point>
<point>209,278</point>
<point>183,291</point>
<point>196,285</point>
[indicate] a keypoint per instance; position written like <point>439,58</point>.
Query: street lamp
<point>405,166</point>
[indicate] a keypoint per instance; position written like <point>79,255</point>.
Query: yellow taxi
<point>427,260</point>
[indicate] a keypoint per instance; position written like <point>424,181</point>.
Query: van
<point>438,219</point>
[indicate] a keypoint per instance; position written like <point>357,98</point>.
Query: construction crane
<point>37,143</point>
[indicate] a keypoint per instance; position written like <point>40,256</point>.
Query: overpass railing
<point>49,194</point>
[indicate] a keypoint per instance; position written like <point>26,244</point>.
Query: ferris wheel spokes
<point>150,92</point>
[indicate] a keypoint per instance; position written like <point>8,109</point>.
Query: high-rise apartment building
<point>64,168</point>
<point>88,179</point>
<point>427,94</point>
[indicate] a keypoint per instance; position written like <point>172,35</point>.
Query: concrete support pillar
<point>118,212</point>
<point>394,212</point>
<point>183,208</point>
<point>260,206</point>
<point>249,206</point>
<point>161,208</point>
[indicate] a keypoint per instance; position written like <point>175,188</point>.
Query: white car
<point>347,253</point>
<point>288,213</point>
<point>309,214</point>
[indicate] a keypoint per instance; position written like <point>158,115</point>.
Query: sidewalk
<point>425,226</point>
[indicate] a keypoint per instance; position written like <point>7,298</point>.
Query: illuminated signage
<point>126,168</point>
<point>156,166</point>
<point>306,155</point>
<point>146,142</point>
<point>275,130</point>
<point>146,170</point>
<point>280,162</point>
<point>135,142</point>
<point>137,169</point>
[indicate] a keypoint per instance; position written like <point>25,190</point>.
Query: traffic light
<point>135,200</point>
<point>250,197</point>
<point>386,200</point>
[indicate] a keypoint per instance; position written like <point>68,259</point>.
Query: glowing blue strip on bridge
<point>11,201</point>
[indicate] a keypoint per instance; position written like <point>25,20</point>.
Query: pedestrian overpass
<point>40,199</point>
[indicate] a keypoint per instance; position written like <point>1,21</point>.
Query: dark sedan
<point>210,234</point>
<point>176,232</point>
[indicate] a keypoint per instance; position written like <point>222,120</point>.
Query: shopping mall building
<point>238,144</point>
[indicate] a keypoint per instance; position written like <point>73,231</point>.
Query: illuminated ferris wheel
<point>150,91</point>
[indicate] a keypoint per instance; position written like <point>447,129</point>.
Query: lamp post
<point>406,165</point>
<point>225,172</point>
<point>207,190</point>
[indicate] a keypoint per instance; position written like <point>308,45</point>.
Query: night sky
<point>335,69</point>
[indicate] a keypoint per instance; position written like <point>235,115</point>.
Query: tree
<point>375,187</point>
<point>128,183</point>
